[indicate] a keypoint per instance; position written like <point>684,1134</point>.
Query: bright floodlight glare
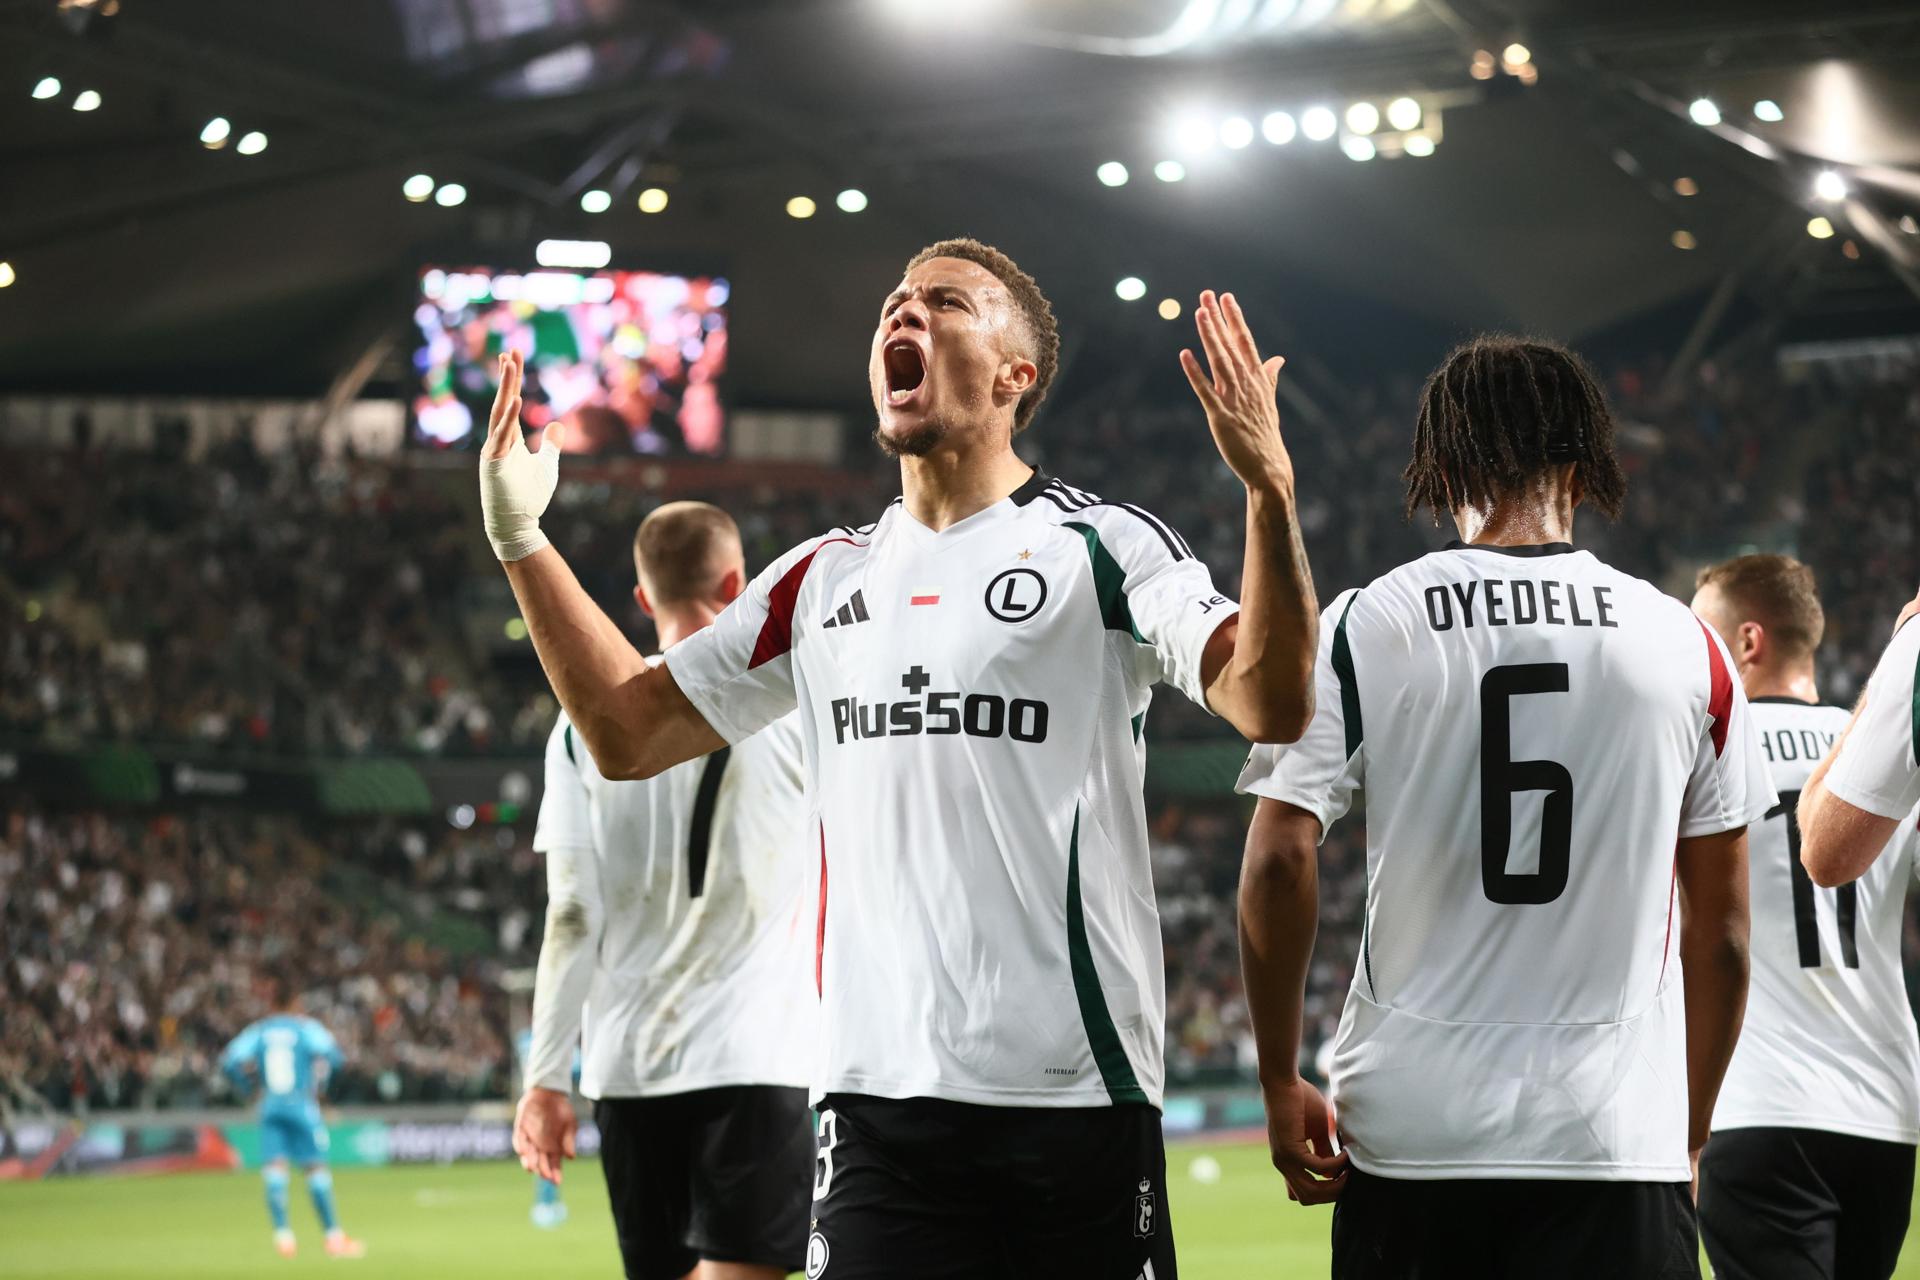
<point>87,101</point>
<point>251,144</point>
<point>418,188</point>
<point>49,87</point>
<point>595,201</point>
<point>1820,229</point>
<point>852,200</point>
<point>1131,289</point>
<point>216,133</point>
<point>1170,171</point>
<point>1482,68</point>
<point>1829,185</point>
<point>1278,128</point>
<point>1684,240</point>
<point>1516,55</point>
<point>1769,110</point>
<point>6,274</point>
<point>653,200</point>
<point>1236,132</point>
<point>1318,123</point>
<point>1419,145</point>
<point>1192,133</point>
<point>800,207</point>
<point>1703,111</point>
<point>1112,174</point>
<point>1363,117</point>
<point>1358,148</point>
<point>450,195</point>
<point>586,254</point>
<point>1169,308</point>
<point>1685,186</point>
<point>1403,114</point>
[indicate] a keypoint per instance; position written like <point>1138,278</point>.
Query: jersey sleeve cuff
<point>706,701</point>
<point>1874,802</point>
<point>1720,823</point>
<point>1318,806</point>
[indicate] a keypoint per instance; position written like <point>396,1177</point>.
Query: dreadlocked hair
<point>1500,411</point>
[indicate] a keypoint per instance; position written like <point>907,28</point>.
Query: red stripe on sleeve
<point>1720,696</point>
<point>776,633</point>
<point>820,929</point>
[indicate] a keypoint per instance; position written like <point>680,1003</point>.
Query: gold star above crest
<point>1025,555</point>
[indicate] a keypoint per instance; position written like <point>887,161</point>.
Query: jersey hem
<point>696,1084</point>
<point>1822,1124</point>
<point>1419,1171</point>
<point>980,1095</point>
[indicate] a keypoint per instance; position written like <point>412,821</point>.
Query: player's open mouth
<point>906,370</point>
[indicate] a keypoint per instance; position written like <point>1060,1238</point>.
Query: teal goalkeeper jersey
<point>279,1056</point>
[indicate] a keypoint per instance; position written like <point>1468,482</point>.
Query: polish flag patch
<point>924,595</point>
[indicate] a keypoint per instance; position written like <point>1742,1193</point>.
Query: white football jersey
<point>678,913</point>
<point>1534,731</point>
<point>1829,1041</point>
<point>1878,769</point>
<point>971,702</point>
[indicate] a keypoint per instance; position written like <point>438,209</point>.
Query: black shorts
<point>1509,1229</point>
<point>1803,1204</point>
<point>926,1189</point>
<point>716,1173</point>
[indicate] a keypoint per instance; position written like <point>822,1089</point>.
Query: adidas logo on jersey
<point>854,610</point>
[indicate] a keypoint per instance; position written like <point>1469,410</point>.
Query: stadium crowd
<point>298,604</point>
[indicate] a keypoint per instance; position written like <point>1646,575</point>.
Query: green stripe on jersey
<point>571,758</point>
<point>1108,1052</point>
<point>1109,582</point>
<point>1349,687</point>
<point>1140,722</point>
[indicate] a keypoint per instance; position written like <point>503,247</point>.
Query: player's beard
<point>915,442</point>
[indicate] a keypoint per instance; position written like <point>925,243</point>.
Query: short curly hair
<point>1036,315</point>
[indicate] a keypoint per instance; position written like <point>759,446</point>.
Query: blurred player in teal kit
<point>287,1057</point>
<point>549,1210</point>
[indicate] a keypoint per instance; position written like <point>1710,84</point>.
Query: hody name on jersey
<point>1520,602</point>
<point>940,711</point>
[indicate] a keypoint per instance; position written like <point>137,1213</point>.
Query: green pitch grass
<point>470,1222</point>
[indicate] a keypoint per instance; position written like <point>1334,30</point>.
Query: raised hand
<point>516,483</point>
<point>1239,396</point>
<point>543,1129</point>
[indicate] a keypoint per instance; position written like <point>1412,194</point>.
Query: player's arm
<point>634,719</point>
<point>1838,841</point>
<point>238,1056</point>
<point>1854,800</point>
<point>1258,667</point>
<point>1711,873</point>
<point>1279,914</point>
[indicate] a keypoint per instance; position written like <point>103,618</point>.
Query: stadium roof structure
<point>1579,191</point>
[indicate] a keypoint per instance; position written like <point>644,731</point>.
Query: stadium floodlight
<point>588,255</point>
<point>595,201</point>
<point>1516,55</point>
<point>1403,114</point>
<point>1828,185</point>
<point>801,207</point>
<point>7,276</point>
<point>1236,132</point>
<point>1482,68</point>
<point>1820,229</point>
<point>216,133</point>
<point>1131,289</point>
<point>1112,174</point>
<point>1685,186</point>
<point>653,200</point>
<point>450,195</point>
<point>49,87</point>
<point>1419,145</point>
<point>1191,133</point>
<point>1769,110</point>
<point>251,144</point>
<point>1359,148</point>
<point>1319,123</point>
<point>1278,128</point>
<point>1703,112</point>
<point>418,188</point>
<point>1169,308</point>
<point>852,200</point>
<point>1684,240</point>
<point>1363,117</point>
<point>87,101</point>
<point>1170,171</point>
